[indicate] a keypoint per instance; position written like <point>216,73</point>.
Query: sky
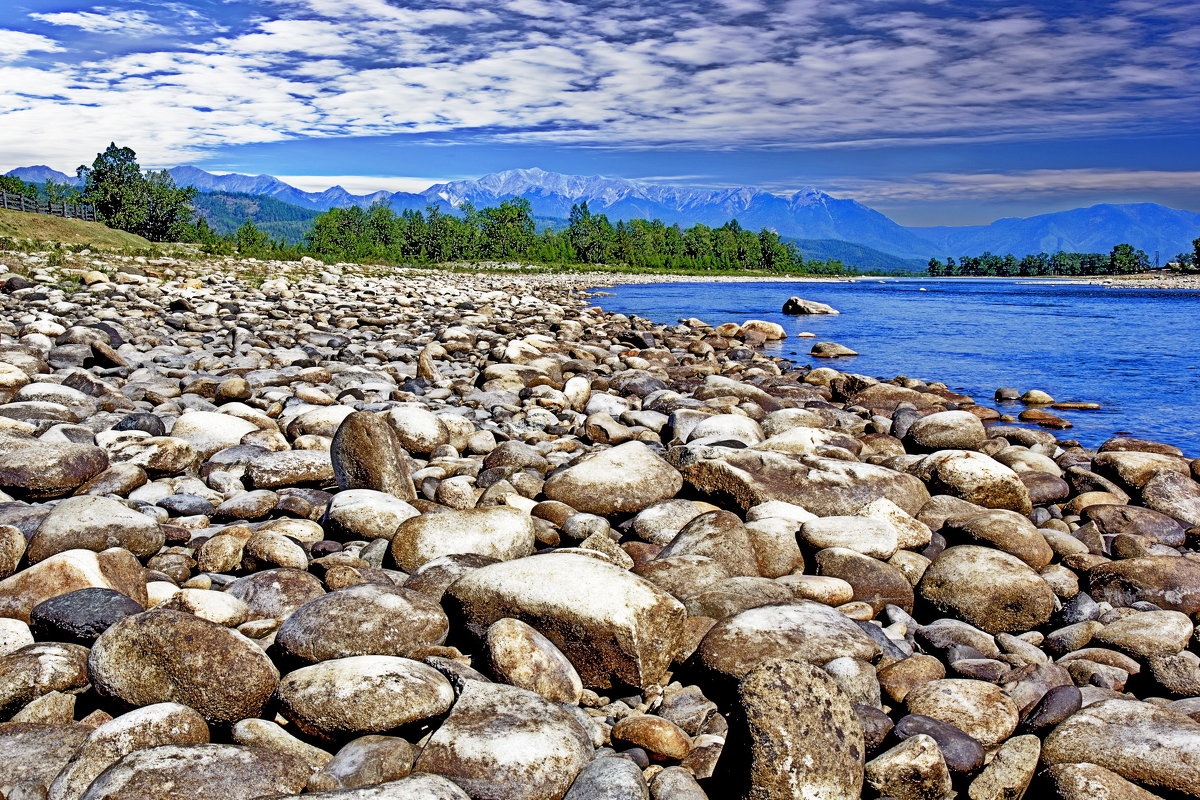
<point>932,111</point>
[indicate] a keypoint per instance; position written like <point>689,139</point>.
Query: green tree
<point>14,185</point>
<point>1125,259</point>
<point>934,268</point>
<point>250,240</point>
<point>148,205</point>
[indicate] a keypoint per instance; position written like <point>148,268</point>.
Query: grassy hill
<point>226,211</point>
<point>45,228</point>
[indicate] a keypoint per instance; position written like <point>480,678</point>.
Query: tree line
<point>508,232</point>
<point>1121,260</point>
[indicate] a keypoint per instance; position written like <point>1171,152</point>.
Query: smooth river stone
<point>824,486</point>
<point>498,532</point>
<point>200,772</point>
<point>620,480</point>
<point>1169,582</point>
<point>362,694</point>
<point>362,620</point>
<point>505,743</point>
<point>367,454</point>
<point>800,630</point>
<point>976,478</point>
<point>69,571</point>
<point>94,523</point>
<point>522,657</point>
<point>172,656</point>
<point>611,624</point>
<point>1151,746</point>
<point>988,588</point>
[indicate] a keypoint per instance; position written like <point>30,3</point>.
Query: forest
<point>507,232</point>
<point>1122,260</point>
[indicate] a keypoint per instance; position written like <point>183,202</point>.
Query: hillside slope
<point>226,211</point>
<point>45,228</point>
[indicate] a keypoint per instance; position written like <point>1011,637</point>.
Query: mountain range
<point>805,215</point>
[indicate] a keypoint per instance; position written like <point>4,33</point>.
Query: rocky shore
<point>279,530</point>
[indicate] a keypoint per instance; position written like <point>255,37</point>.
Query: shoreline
<point>473,528</point>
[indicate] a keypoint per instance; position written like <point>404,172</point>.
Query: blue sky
<point>929,110</point>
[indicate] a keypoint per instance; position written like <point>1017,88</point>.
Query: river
<point>1135,351</point>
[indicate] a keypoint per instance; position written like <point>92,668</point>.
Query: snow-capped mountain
<point>805,214</point>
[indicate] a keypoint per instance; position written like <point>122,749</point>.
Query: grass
<point>46,228</point>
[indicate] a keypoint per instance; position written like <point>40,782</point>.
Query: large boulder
<point>367,454</point>
<point>39,470</point>
<point>200,772</point>
<point>70,571</point>
<point>1169,582</point>
<point>37,670</point>
<point>824,486</point>
<point>988,588</point>
<point>412,787</point>
<point>94,523</point>
<point>611,624</point>
<point>499,532</point>
<point>802,630</point>
<point>797,305</point>
<point>142,728</point>
<point>620,480</point>
<point>362,694</point>
<point>34,753</point>
<point>176,657</point>
<point>210,431</point>
<point>506,743</point>
<point>803,737</point>
<point>945,430</point>
<point>362,620</point>
<point>976,478</point>
<point>1152,746</point>
<point>720,536</point>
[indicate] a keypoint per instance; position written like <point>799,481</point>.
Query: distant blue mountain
<point>1146,226</point>
<point>807,214</point>
<point>41,173</point>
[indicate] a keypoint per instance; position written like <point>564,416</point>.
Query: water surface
<point>1135,351</point>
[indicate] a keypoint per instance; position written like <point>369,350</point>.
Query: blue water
<point>1135,351</point>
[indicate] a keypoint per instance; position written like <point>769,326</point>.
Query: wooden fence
<point>19,202</point>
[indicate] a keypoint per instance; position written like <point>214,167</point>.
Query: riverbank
<point>277,528</point>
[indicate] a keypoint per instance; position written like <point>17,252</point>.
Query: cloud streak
<point>948,186</point>
<point>710,75</point>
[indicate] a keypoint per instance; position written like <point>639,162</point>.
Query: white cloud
<point>15,44</point>
<point>105,20</point>
<point>803,74</point>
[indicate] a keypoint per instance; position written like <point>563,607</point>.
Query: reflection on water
<point>1133,350</point>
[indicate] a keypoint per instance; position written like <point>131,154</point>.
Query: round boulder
<point>620,480</point>
<point>990,589</point>
<point>362,694</point>
<point>172,656</point>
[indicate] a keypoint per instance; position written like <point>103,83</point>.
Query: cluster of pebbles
<point>410,536</point>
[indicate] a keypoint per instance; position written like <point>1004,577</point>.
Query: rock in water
<point>804,738</point>
<point>620,480</point>
<point>797,305</point>
<point>367,454</point>
<point>505,743</point>
<point>611,624</point>
<point>173,656</point>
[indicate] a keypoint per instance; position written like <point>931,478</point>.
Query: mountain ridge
<point>807,213</point>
